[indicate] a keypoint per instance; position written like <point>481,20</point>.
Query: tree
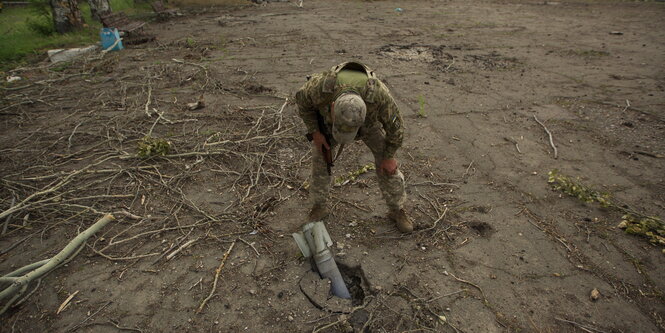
<point>66,15</point>
<point>98,8</point>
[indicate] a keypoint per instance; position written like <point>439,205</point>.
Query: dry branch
<point>580,326</point>
<point>549,134</point>
<point>18,286</point>
<point>217,271</point>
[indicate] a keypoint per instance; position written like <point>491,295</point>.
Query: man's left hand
<point>388,167</point>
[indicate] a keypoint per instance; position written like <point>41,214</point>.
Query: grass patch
<point>149,147</point>
<point>633,222</point>
<point>353,175</point>
<point>27,31</point>
<point>588,53</point>
<point>421,107</point>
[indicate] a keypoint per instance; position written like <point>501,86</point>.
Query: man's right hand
<point>319,141</point>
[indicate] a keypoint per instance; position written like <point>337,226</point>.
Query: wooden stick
<point>9,217</point>
<point>66,302</point>
<point>549,134</point>
<point>250,245</point>
<point>469,283</point>
<point>436,221</point>
<point>217,271</point>
<point>77,326</point>
<point>182,247</point>
<point>580,326</point>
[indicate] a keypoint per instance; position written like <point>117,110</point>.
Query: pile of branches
<point>74,148</point>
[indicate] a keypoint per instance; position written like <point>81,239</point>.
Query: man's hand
<point>388,167</point>
<point>319,140</point>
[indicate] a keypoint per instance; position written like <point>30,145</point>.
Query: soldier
<point>349,103</point>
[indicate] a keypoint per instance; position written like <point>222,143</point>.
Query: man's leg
<point>392,186</point>
<point>319,186</point>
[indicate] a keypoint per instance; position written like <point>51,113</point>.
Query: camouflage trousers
<point>392,187</point>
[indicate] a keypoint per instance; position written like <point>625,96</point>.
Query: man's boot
<point>318,213</point>
<point>402,222</point>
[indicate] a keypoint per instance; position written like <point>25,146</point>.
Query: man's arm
<point>307,99</point>
<point>391,119</point>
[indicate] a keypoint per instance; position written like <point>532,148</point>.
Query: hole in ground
<point>355,280</point>
<point>483,229</point>
<point>317,290</point>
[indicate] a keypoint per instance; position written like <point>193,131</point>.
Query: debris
<point>595,294</point>
<point>22,277</point>
<point>549,134</point>
<point>399,10</point>
<point>149,146</point>
<point>353,175</point>
<point>314,242</point>
<point>131,30</point>
<point>616,33</point>
<point>111,40</point>
<point>317,291</point>
<point>66,302</point>
<point>200,104</point>
<point>11,79</point>
<point>60,55</point>
<point>163,12</point>
<point>217,271</point>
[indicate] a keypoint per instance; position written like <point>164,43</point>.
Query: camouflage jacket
<point>322,89</point>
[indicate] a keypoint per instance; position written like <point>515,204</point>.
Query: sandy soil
<point>496,248</point>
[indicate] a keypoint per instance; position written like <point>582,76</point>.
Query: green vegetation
<point>574,188</point>
<point>588,53</point>
<point>421,106</point>
<point>191,42</point>
<point>26,31</point>
<point>353,175</point>
<point>149,146</point>
<point>635,223</point>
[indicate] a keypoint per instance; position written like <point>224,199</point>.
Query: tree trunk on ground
<point>66,15</point>
<point>98,8</point>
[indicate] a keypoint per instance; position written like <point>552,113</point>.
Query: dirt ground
<point>496,248</point>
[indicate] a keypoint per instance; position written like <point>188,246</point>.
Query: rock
<point>595,294</point>
<point>623,224</point>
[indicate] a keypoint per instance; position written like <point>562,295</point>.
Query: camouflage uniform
<point>382,130</point>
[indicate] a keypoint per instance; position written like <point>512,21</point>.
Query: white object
<point>59,55</point>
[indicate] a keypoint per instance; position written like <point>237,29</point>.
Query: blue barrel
<point>111,37</point>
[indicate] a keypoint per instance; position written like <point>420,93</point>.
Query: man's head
<point>348,114</point>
